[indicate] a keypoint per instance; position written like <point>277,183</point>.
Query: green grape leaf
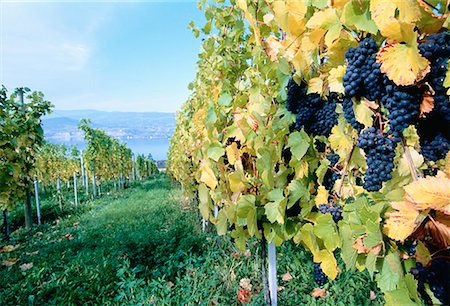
<point>276,208</point>
<point>349,253</point>
<point>357,15</point>
<point>299,144</point>
<point>391,273</point>
<point>246,209</point>
<point>371,263</point>
<point>240,238</point>
<point>215,151</point>
<point>309,239</point>
<point>325,229</point>
<point>225,99</point>
<point>297,191</point>
<point>204,201</point>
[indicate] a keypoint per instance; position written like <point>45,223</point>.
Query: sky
<point>102,55</point>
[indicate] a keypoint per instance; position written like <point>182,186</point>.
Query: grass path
<point>142,248</point>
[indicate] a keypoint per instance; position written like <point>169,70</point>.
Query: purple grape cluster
<point>410,246</point>
<point>436,275</point>
<point>434,129</point>
<point>333,209</point>
<point>361,63</point>
<point>380,155</point>
<point>319,277</point>
<point>330,176</point>
<point>403,104</point>
<point>314,114</point>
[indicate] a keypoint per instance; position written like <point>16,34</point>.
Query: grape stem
<point>409,160</point>
<point>380,121</point>
<point>344,171</point>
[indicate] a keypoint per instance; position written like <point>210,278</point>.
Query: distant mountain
<point>63,125</point>
<point>145,133</point>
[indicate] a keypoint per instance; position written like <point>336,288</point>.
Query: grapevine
<point>292,96</point>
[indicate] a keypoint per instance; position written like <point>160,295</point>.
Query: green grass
<point>143,248</point>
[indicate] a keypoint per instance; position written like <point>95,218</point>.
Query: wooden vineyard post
<point>216,211</point>
<point>36,195</point>
<point>86,184</point>
<point>75,189</point>
<point>94,189</point>
<point>58,188</point>
<point>273,274</point>
<point>82,168</point>
<point>203,225</point>
<point>27,211</point>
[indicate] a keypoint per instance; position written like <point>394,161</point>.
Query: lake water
<point>156,147</point>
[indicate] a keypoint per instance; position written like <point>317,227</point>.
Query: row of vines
<point>29,165</point>
<point>326,123</point>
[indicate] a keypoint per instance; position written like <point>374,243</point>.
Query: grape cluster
<point>434,148</point>
<point>324,118</point>
<point>380,155</point>
<point>330,176</point>
<point>403,104</point>
<point>362,78</point>
<point>319,277</point>
<point>436,275</point>
<point>410,247</point>
<point>359,68</point>
<point>294,93</point>
<point>433,130</point>
<point>333,209</point>
<point>317,116</point>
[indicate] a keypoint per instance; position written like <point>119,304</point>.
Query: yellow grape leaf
<point>386,15</point>
<point>207,175</point>
<point>447,79</point>
<point>315,85</point>
<point>408,10</point>
<point>290,15</point>
<point>447,164</point>
<point>232,153</point>
<point>403,63</point>
<point>236,182</point>
<point>430,192</point>
<point>301,168</point>
<point>335,82</point>
<point>204,201</point>
<point>402,222</point>
<point>328,20</point>
<point>327,263</point>
<point>363,114</point>
<point>322,196</point>
<point>242,4</point>
<point>340,141</point>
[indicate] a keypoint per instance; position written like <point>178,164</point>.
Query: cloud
<point>38,40</point>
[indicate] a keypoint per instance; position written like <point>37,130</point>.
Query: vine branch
<point>344,171</point>
<point>409,160</point>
